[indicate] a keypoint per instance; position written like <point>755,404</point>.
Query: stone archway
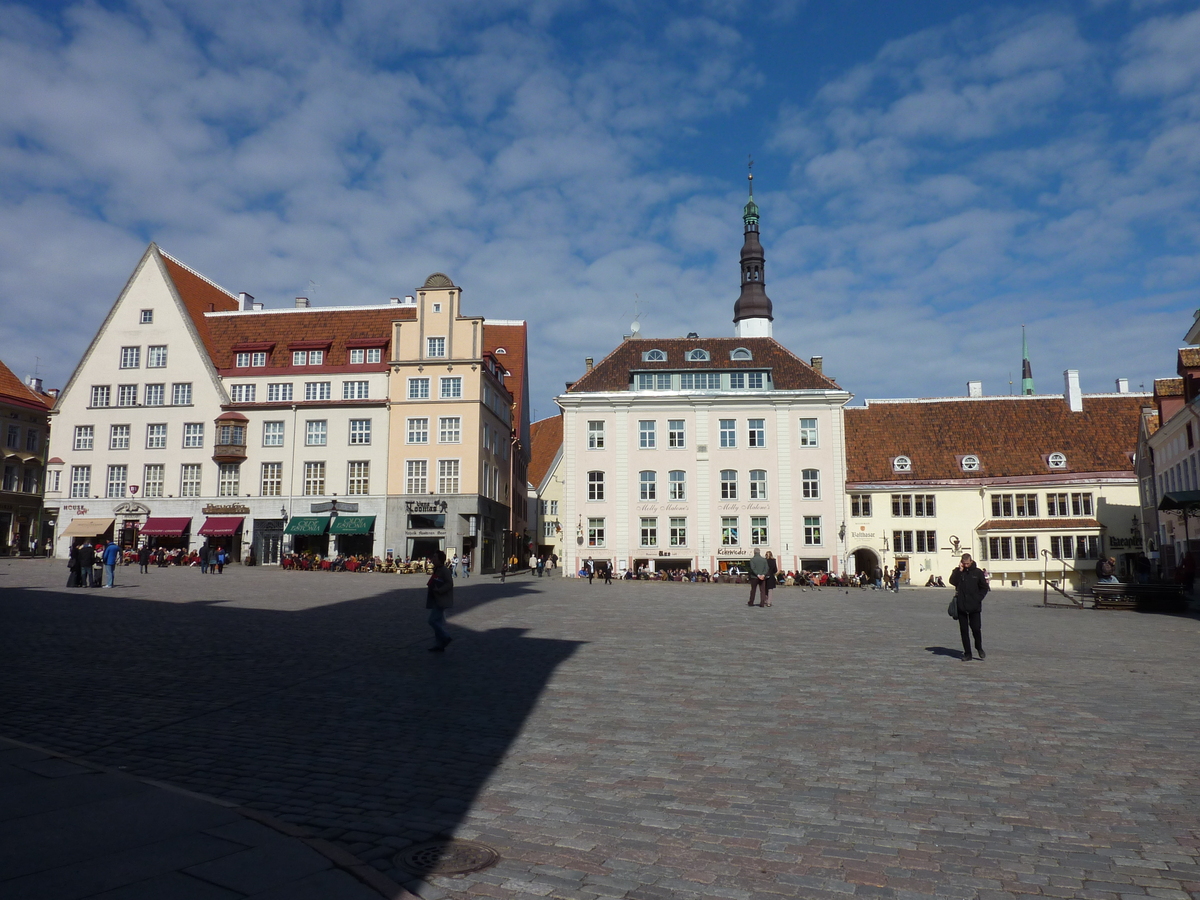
<point>865,560</point>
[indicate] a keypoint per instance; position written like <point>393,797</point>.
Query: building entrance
<point>865,562</point>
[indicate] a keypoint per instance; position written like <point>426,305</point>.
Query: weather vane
<point>750,171</point>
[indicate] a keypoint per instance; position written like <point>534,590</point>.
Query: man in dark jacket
<point>87,558</point>
<point>971,586</point>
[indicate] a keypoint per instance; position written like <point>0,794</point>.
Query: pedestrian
<point>438,598</point>
<point>204,559</point>
<point>112,553</point>
<point>144,558</point>
<point>971,587</point>
<point>901,567</point>
<point>758,578</point>
<point>73,567</point>
<point>221,557</point>
<point>591,570</point>
<point>772,578</point>
<point>466,564</point>
<point>532,564</point>
<point>97,573</point>
<point>541,566</point>
<point>454,566</point>
<point>503,570</point>
<point>608,567</point>
<point>212,559</point>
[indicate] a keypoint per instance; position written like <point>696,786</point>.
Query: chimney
<point>410,300</point>
<point>35,383</point>
<point>301,303</point>
<point>258,307</point>
<point>395,301</point>
<point>589,362</point>
<point>974,388</point>
<point>245,302</point>
<point>818,364</point>
<point>1122,385</point>
<point>1074,396</point>
<point>53,392</point>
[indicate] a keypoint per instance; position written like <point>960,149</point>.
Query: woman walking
<point>772,578</point>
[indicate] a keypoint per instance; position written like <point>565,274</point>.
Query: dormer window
<point>901,464</point>
<point>501,350</point>
<point>654,356</point>
<point>1057,461</point>
<point>740,353</point>
<point>970,463</point>
<point>697,356</point>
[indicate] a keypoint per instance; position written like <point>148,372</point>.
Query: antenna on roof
<point>636,326</point>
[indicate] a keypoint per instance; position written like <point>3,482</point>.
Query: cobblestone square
<point>639,740</point>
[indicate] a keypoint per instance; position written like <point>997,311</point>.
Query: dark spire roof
<point>753,303</point>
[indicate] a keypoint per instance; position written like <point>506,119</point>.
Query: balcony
<point>229,452</point>
<point>230,446</point>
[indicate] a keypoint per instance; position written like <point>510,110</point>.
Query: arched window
<point>654,356</point>
<point>970,463</point>
<point>595,485</point>
<point>728,484</point>
<point>758,484</point>
<point>810,480</point>
<point>1058,461</point>
<point>901,464</point>
<point>678,485</point>
<point>649,485</point>
<point>697,355</point>
<point>740,353</point>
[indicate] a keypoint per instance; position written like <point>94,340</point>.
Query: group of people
<point>88,565</point>
<point>343,562</point>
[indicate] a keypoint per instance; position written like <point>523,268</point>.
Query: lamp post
<point>1045,577</point>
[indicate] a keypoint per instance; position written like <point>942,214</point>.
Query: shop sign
<point>233,509</point>
<point>425,506</point>
<point>424,532</point>
<point>731,551</point>
<point>1118,543</point>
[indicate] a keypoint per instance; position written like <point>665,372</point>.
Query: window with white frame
<point>810,484</point>
<point>549,529</point>
<point>729,531</point>
<point>314,479</point>
<point>241,360</point>
<point>740,353</point>
<point>595,485</point>
<point>316,357</point>
<point>374,354</point>
<point>358,478</point>
<point>299,357</point>
<point>1057,461</point>
<point>448,476</point>
<point>101,395</point>
<point>193,434</point>
<point>118,477</point>
<point>554,507</point>
<point>729,489</point>
<point>860,505</point>
<point>435,347</point>
<point>418,431</point>
<point>360,431</point>
<point>189,480</point>
<point>85,436</point>
<point>728,433</point>
<point>700,381</point>
<point>675,434</point>
<point>118,437</point>
<point>146,317</point>
<point>273,434</point>
<point>229,433</point>
<point>808,432</point>
<point>449,429</point>
<point>595,532</point>
<point>1081,504</point>
<point>271,482</point>
<point>758,484</point>
<point>242,393</point>
<point>697,356</point>
<point>316,433</point>
<point>970,463</point>
<point>155,395</point>
<point>229,479</point>
<point>152,480</point>
<point>358,357</point>
<point>812,531</point>
<point>758,531</point>
<point>156,356</point>
<point>181,394</point>
<point>131,357</point>
<point>648,482</point>
<point>678,485</point>
<point>451,387</point>
<point>757,433</point>
<point>654,356</point>
<point>678,532</point>
<point>81,482</point>
<point>416,479</point>
<point>901,464</point>
<point>595,435</point>
<point>127,394</point>
<point>156,436</point>
<point>649,531</point>
<point>653,381</point>
<point>54,483</point>
<point>418,389</point>
<point>317,390</point>
<point>279,392</point>
<point>647,435</point>
<point>355,390</point>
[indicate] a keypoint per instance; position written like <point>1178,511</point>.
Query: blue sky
<point>931,176</point>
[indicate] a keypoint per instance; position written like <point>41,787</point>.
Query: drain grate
<point>447,857</point>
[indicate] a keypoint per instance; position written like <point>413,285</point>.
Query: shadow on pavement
<point>945,651</point>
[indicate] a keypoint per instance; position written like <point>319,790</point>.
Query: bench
<point>1160,597</point>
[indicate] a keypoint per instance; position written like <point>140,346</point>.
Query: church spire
<point>1026,369</point>
<point>752,311</point>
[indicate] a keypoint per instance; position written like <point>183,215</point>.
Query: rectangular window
<point>146,317</point>
<point>435,346</point>
<point>156,356</point>
<point>418,431</point>
<point>808,432</point>
<point>923,505</point>
<point>758,531</point>
<point>231,434</point>
<point>85,436</point>
<point>1027,506</point>
<point>317,390</point>
<point>81,482</point>
<point>272,434</point>
<point>189,480</point>
<point>755,381</point>
<point>810,484</point>
<point>358,479</point>
<point>595,485</point>
<point>648,482</point>
<point>241,360</point>
<point>595,435</point>
<point>728,433</point>
<point>152,480</point>
<point>193,434</point>
<point>299,357</point>
<point>447,476</point>
<point>860,505</point>
<point>678,532</point>
<point>127,394</point>
<point>155,395</point>
<point>1081,505</point>
<point>229,480</point>
<point>101,395</point>
<point>315,433</point>
<point>1000,548</point>
<point>737,381</point>
<point>758,484</point>
<point>450,387</point>
<point>131,357</point>
<point>554,507</point>
<point>729,490</point>
<point>418,389</point>
<point>675,434</point>
<point>156,437</point>
<point>242,393</point>
<point>700,381</point>
<point>649,532</point>
<point>653,381</point>
<point>595,532</point>
<point>926,541</point>
<point>901,505</point>
<point>32,441</point>
<point>678,486</point>
<point>360,431</point>
<point>316,357</point>
<point>812,531</point>
<point>374,354</point>
<point>355,390</point>
<point>271,483</point>
<point>1025,547</point>
<point>417,476</point>
<point>118,437</point>
<point>449,430</point>
<point>314,479</point>
<point>181,394</point>
<point>647,436</point>
<point>118,477</point>
<point>1002,506</point>
<point>358,357</point>
<point>258,358</point>
<point>549,529</point>
<point>55,477</point>
<point>729,531</point>
<point>902,542</point>
<point>757,434</point>
<point>279,393</point>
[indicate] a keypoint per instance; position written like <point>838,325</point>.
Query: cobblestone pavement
<point>640,741</point>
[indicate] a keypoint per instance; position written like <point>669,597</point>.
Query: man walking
<point>111,554</point>
<point>972,586</point>
<point>901,567</point>
<point>758,578</point>
<point>144,558</point>
<point>438,598</point>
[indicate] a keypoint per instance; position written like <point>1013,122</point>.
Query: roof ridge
<point>204,278</point>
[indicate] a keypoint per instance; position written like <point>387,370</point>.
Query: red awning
<point>166,526</point>
<point>220,526</point>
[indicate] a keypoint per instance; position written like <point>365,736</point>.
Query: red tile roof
<point>1168,387</point>
<point>547,436</point>
<point>788,371</point>
<point>513,338</point>
<point>330,325</point>
<point>199,296</point>
<point>14,391</point>
<point>1012,436</point>
<point>1189,357</point>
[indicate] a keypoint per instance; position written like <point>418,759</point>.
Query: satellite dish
<point>635,327</point>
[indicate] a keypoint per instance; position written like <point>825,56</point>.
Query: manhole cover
<point>452,857</point>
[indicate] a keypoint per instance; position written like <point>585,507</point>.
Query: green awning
<point>307,525</point>
<point>352,525</point>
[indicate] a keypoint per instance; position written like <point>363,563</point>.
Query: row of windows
<point>33,439</point>
<point>695,355</point>
<point>156,357</point>
<point>416,476</point>
<point>810,480</point>
<point>14,482</point>
<point>450,387</point>
<point>1003,505</point>
<point>153,395</point>
<point>258,358</point>
<point>316,434</point>
<point>677,535</point>
<point>229,480</point>
<point>282,392</point>
<point>756,434</point>
<point>1026,547</point>
<point>449,431</point>
<point>701,381</point>
<point>914,541</point>
<point>971,463</point>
